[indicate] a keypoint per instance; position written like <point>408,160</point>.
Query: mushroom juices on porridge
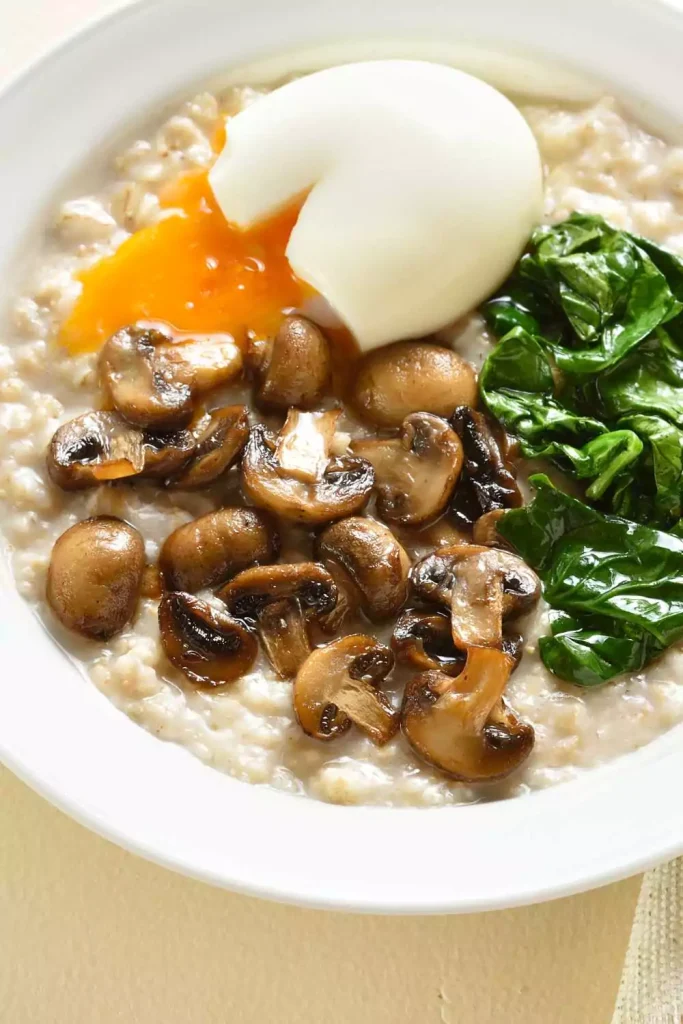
<point>342,570</point>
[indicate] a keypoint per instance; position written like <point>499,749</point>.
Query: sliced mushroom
<point>94,448</point>
<point>95,576</point>
<point>339,684</point>
<point>279,601</point>
<point>209,646</point>
<point>485,529</point>
<point>486,483</point>
<point>166,453</point>
<point>152,381</point>
<point>415,473</point>
<point>294,367</point>
<point>216,546</point>
<point>481,587</point>
<point>423,641</point>
<point>462,725</point>
<point>295,477</point>
<point>348,599</point>
<point>99,447</point>
<point>219,441</point>
<point>412,376</point>
<point>375,561</point>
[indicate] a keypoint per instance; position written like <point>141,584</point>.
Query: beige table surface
<point>92,935</point>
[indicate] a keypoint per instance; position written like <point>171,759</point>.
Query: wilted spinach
<point>616,587</point>
<point>589,371</point>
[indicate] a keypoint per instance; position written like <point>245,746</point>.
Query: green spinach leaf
<point>618,584</point>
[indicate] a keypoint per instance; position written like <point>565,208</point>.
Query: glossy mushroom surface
<point>415,473</point>
<point>412,376</point>
<point>218,443</point>
<point>375,561</point>
<point>339,684</point>
<point>209,646</point>
<point>214,547</point>
<point>486,483</point>
<point>462,725</point>
<point>95,576</point>
<point>279,601</point>
<point>293,368</point>
<point>294,476</point>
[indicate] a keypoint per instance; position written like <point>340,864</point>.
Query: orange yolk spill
<point>192,270</point>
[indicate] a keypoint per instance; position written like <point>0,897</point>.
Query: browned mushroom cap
<point>153,381</point>
<point>481,586</point>
<point>99,447</point>
<point>294,367</point>
<point>219,440</point>
<point>415,473</point>
<point>486,482</point>
<point>485,530</point>
<point>462,725</point>
<point>412,376</point>
<point>374,560</point>
<point>206,644</point>
<point>93,448</point>
<point>348,599</point>
<point>339,684</point>
<point>279,600</point>
<point>295,477</point>
<point>215,546</point>
<point>95,576</point>
<point>423,641</point>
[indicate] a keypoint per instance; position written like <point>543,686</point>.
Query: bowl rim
<point>346,890</point>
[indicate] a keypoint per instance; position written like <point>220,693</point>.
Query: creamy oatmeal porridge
<point>596,162</point>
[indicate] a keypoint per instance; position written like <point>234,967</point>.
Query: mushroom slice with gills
<point>294,477</point>
<point>209,646</point>
<point>95,576</point>
<point>422,640</point>
<point>348,599</point>
<point>279,601</point>
<point>481,586</point>
<point>219,440</point>
<point>294,367</point>
<point>462,725</point>
<point>485,529</point>
<point>94,448</point>
<point>153,381</point>
<point>166,452</point>
<point>486,483</point>
<point>214,547</point>
<point>338,684</point>
<point>412,376</point>
<point>415,473</point>
<point>375,561</point>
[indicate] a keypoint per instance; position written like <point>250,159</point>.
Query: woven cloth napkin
<point>651,988</point>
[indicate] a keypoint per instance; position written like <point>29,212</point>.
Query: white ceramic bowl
<point>61,735</point>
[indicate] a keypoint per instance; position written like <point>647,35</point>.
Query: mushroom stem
<point>283,633</point>
<point>479,686</point>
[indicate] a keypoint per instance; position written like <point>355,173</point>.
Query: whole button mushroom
<point>462,725</point>
<point>481,587</point>
<point>339,684</point>
<point>216,546</point>
<point>374,560</point>
<point>95,576</point>
<point>279,601</point>
<point>295,476</point>
<point>415,473</point>
<point>294,367</point>
<point>412,376</point>
<point>209,646</point>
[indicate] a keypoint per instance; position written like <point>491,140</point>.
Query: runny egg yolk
<point>192,270</point>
